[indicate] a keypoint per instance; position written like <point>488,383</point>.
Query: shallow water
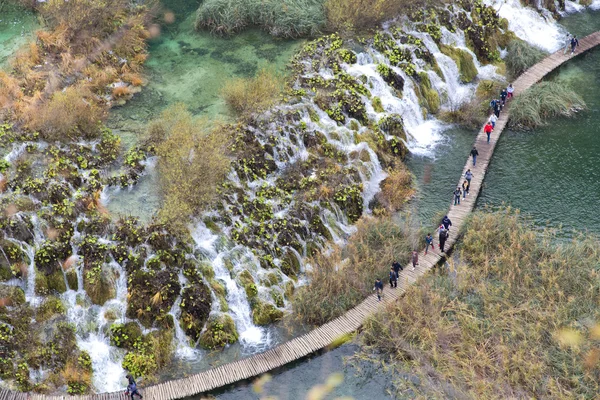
<point>16,28</point>
<point>188,67</point>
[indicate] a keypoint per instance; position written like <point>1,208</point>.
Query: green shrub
<point>286,18</point>
<point>542,101</point>
<point>521,55</point>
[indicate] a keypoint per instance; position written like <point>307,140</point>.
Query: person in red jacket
<point>488,128</point>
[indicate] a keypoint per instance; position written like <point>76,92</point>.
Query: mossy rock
<point>72,279</point>
<point>99,284</point>
<point>49,257</point>
<point>125,335</point>
<point>265,313</point>
<point>277,298</point>
<point>196,303</point>
<point>429,94</point>
<point>41,284</point>
<point>273,278</point>
<point>5,272</point>
<point>247,281</point>
<point>151,295</point>
<point>221,292</point>
<point>51,307</point>
<point>14,293</point>
<point>377,106</point>
<point>290,265</point>
<point>220,331</point>
<point>464,61</point>
<point>56,282</point>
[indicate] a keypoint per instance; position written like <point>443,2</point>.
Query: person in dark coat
<point>443,236</point>
<point>397,268</point>
<point>474,154</point>
<point>415,258</point>
<point>393,278</point>
<point>132,387</point>
<point>378,288</point>
<point>574,43</point>
<point>446,222</point>
<point>503,95</point>
<point>428,242</point>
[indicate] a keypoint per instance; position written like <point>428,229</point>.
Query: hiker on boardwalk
<point>457,194</point>
<point>132,387</point>
<point>474,154</point>
<point>567,43</point>
<point>493,103</point>
<point>574,43</point>
<point>497,108</point>
<point>378,288</point>
<point>446,223</point>
<point>465,188</point>
<point>415,259</point>
<point>503,95</point>
<point>393,278</point>
<point>492,120</point>
<point>397,268</point>
<point>510,90</point>
<point>428,242</point>
<point>468,177</point>
<point>488,128</point>
<point>443,235</point>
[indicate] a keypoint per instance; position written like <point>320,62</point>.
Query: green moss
<point>290,265</point>
<point>376,103</point>
<point>125,335</point>
<point>50,308</point>
<point>72,279</point>
<point>464,61</point>
<point>99,285</point>
<point>289,290</point>
<point>56,282</point>
<point>41,284</point>
<point>196,303</point>
<point>219,332</point>
<point>265,313</point>
<point>430,95</point>
<point>247,282</point>
<point>219,290</point>
<point>277,298</point>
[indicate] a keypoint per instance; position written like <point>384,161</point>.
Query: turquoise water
<point>16,28</point>
<point>188,67</point>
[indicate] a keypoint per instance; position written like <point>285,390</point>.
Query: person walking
<point>474,154</point>
<point>393,278</point>
<point>457,194</point>
<point>465,188</point>
<point>503,94</point>
<point>492,120</point>
<point>574,43</point>
<point>443,235</point>
<point>488,128</point>
<point>497,108</point>
<point>378,288</point>
<point>428,242</point>
<point>132,387</point>
<point>415,259</point>
<point>468,177</point>
<point>397,268</point>
<point>446,223</point>
<point>510,90</point>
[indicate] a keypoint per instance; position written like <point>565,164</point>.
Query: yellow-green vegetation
<point>474,113</point>
<point>341,279</point>
<point>220,331</point>
<point>250,95</point>
<point>428,93</point>
<point>543,101</point>
<point>396,189</point>
<point>264,313</point>
<point>464,61</point>
<point>521,55</point>
<point>193,162</point>
<point>509,319</point>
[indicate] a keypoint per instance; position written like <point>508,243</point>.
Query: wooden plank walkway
<point>325,335</point>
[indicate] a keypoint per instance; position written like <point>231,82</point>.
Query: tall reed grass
<point>521,55</point>
<point>543,101</point>
<point>342,278</point>
<point>285,18</point>
<point>509,320</point>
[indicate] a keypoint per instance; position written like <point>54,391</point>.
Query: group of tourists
<point>443,233</point>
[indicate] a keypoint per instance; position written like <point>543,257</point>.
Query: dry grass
<point>396,189</point>
<point>67,115</point>
<point>193,162</point>
<point>343,278</point>
<point>121,91</point>
<point>247,96</point>
<point>509,321</point>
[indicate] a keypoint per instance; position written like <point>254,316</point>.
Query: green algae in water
<point>191,68</point>
<point>16,29</point>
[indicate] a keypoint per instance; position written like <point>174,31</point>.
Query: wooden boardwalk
<point>325,335</point>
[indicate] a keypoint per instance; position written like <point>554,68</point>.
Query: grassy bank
<point>516,317</point>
